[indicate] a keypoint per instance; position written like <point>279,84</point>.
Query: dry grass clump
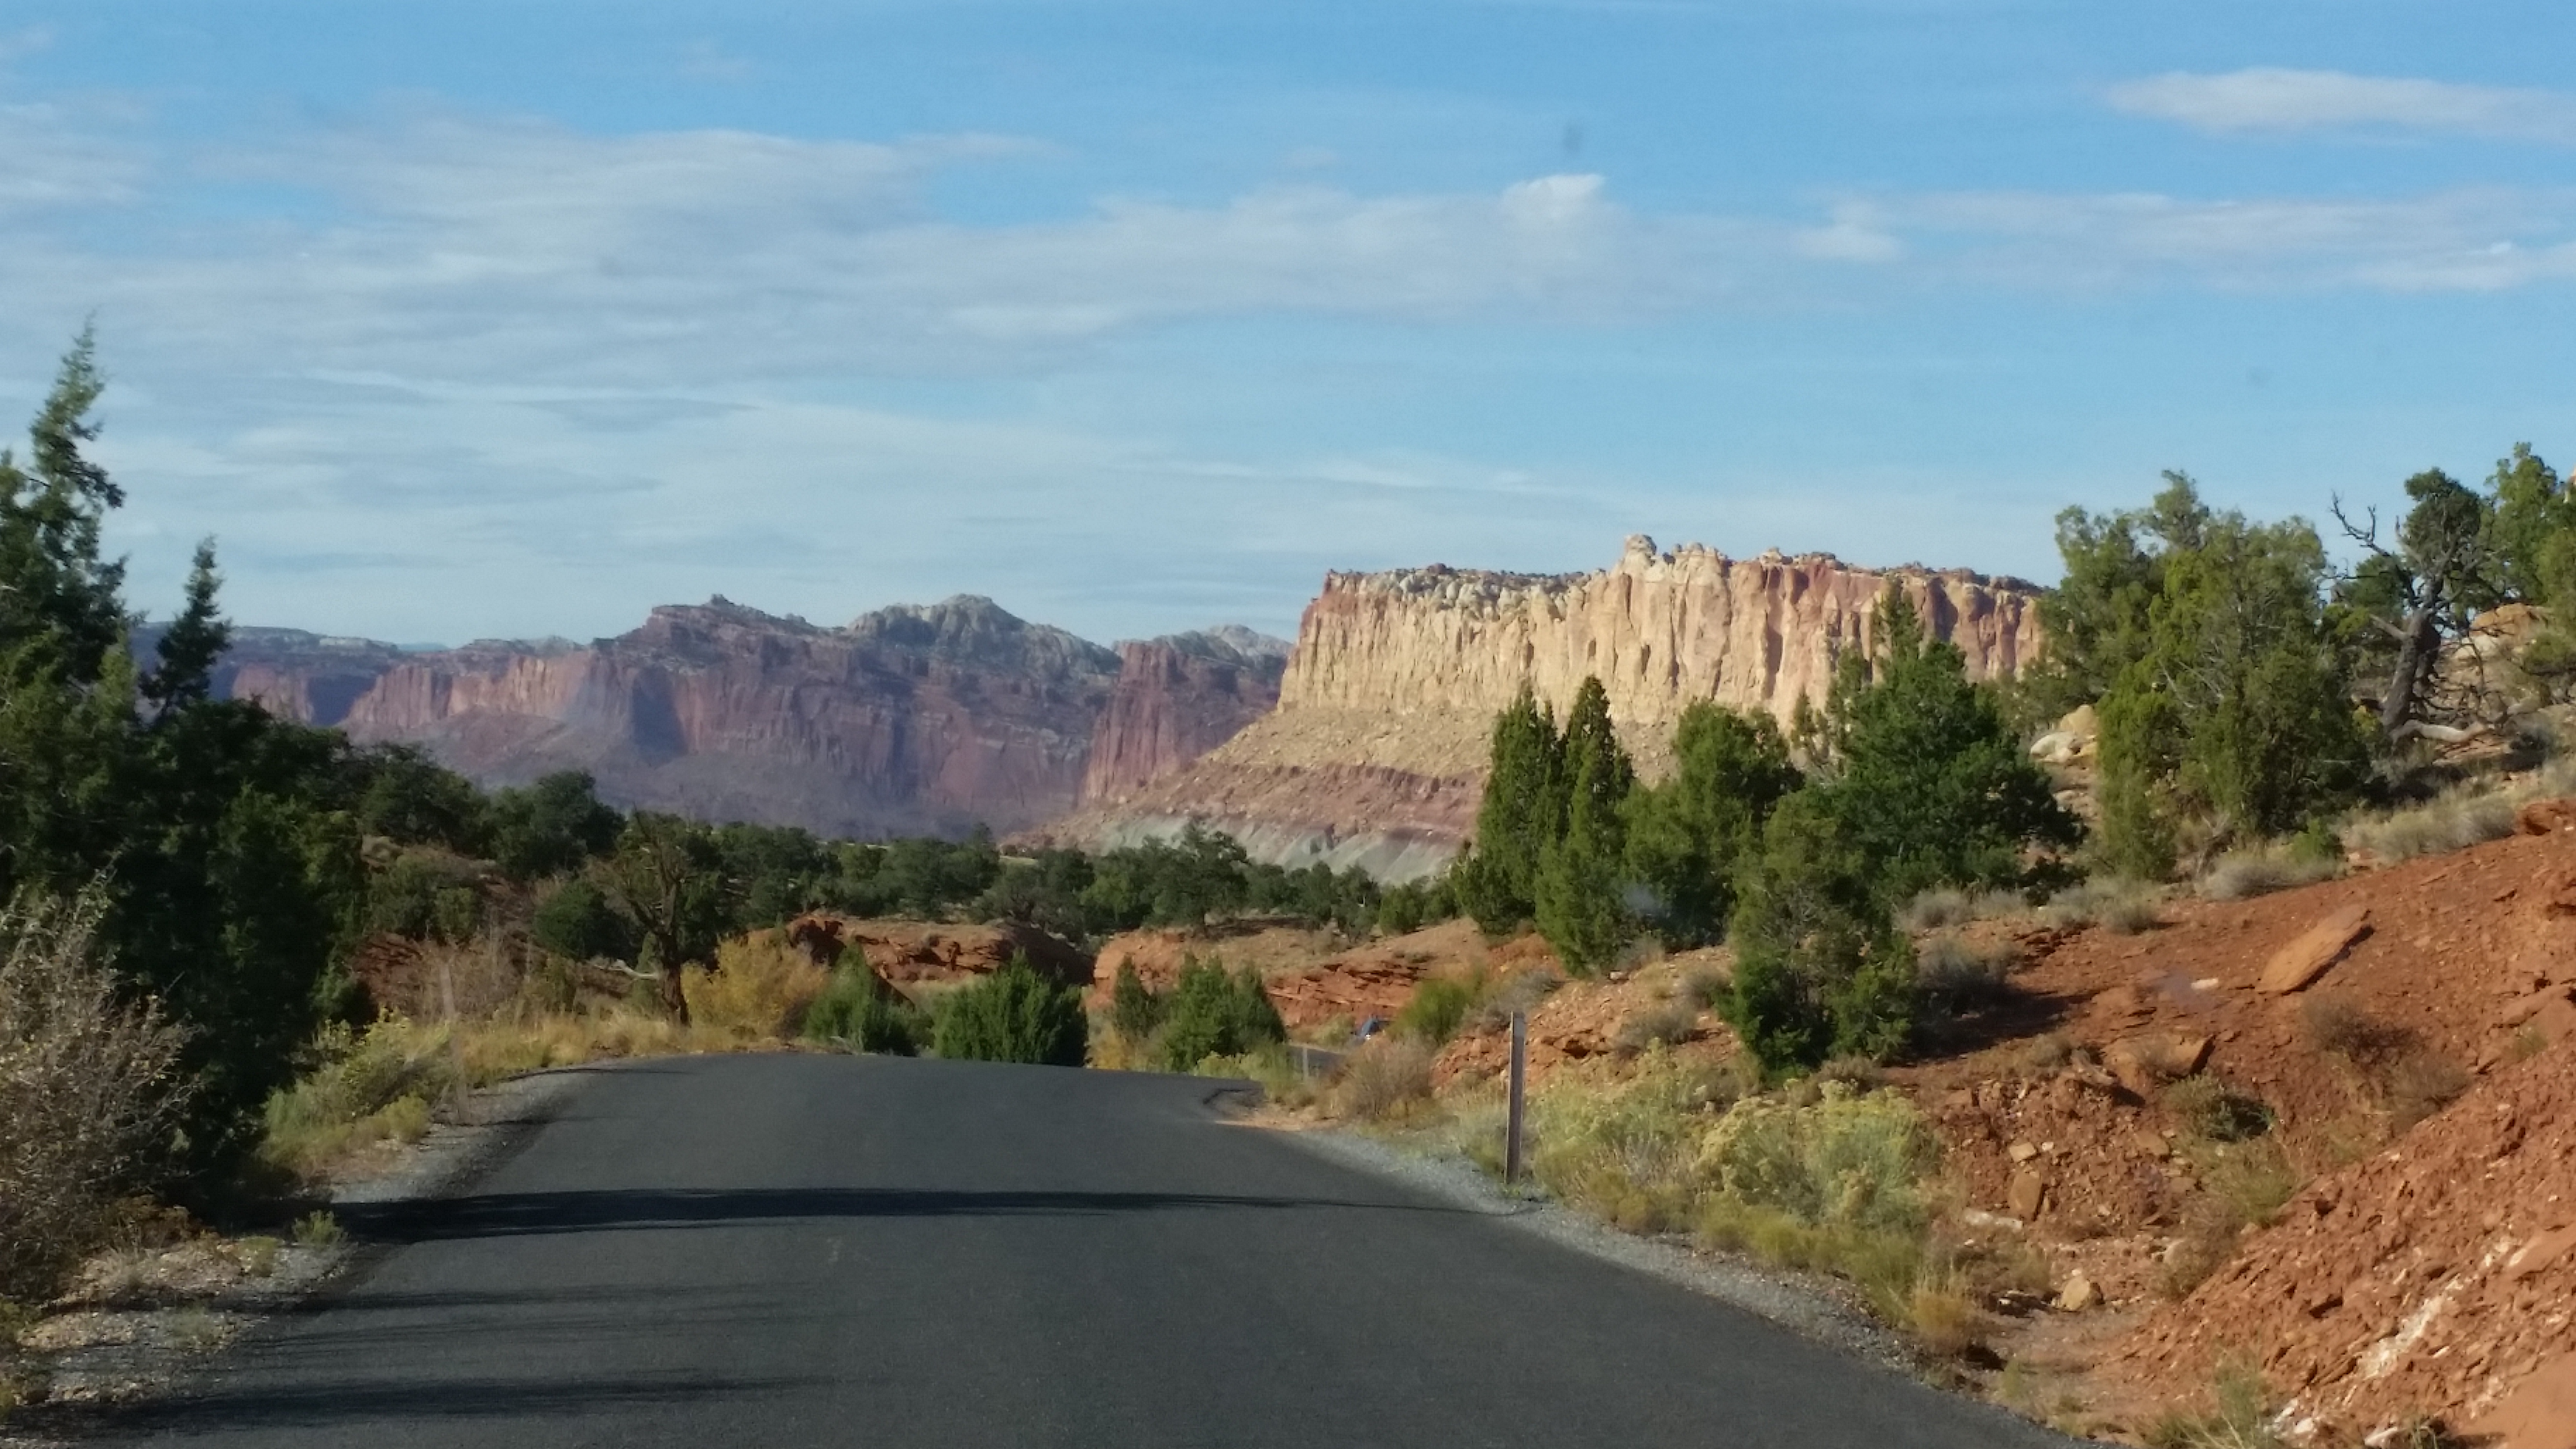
<point>1962,975</point>
<point>2246,1174</point>
<point>86,1080</point>
<point>1498,999</point>
<point>2452,821</point>
<point>2245,874</point>
<point>1947,907</point>
<point>2121,906</point>
<point>2407,1081</point>
<point>1663,1023</point>
<point>758,991</point>
<point>1384,1080</point>
<point>2239,1417</point>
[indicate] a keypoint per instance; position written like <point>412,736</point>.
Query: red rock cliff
<point>1175,700</point>
<point>1375,755</point>
<point>910,720</point>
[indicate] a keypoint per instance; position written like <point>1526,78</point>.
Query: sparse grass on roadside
<point>319,1229</point>
<point>196,1329</point>
<point>2239,1417</point>
<point>1386,1080</point>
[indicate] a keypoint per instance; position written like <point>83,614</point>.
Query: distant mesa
<point>1364,745</point>
<point>1375,755</point>
<point>916,719</point>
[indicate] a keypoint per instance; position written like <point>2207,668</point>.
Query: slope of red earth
<point>2391,1287</point>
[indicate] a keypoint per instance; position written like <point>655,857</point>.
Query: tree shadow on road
<point>514,1214</point>
<point>343,1402</point>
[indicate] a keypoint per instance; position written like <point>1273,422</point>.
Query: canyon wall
<point>1375,756</point>
<point>1176,699</point>
<point>911,720</point>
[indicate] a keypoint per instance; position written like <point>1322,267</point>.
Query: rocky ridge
<point>917,719</point>
<point>1375,754</point>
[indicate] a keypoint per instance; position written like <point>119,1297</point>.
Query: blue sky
<point>477,319</point>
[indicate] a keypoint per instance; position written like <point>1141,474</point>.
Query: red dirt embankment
<point>2431,1268</point>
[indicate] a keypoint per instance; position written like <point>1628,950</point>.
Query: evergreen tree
<point>1820,971</point>
<point>1582,878</point>
<point>1928,781</point>
<point>1687,835</point>
<point>1134,1009</point>
<point>1522,814</point>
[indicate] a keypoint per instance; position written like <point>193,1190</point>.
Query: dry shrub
<point>2338,1027</point>
<point>1939,907</point>
<point>2245,874</point>
<point>1956,974</point>
<point>2243,1185</point>
<point>1521,992</point>
<point>2123,907</point>
<point>2240,1417</point>
<point>86,1081</point>
<point>758,991</point>
<point>2406,1079</point>
<point>2211,1110</point>
<point>1661,1024</point>
<point>2449,822</point>
<point>364,1090</point>
<point>1944,1314</point>
<point>1385,1079</point>
<point>2418,1085</point>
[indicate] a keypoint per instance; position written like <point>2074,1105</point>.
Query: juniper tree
<point>1582,876</point>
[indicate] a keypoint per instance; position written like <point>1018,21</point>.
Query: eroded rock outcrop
<point>1176,699</point>
<point>1375,755</point>
<point>911,720</point>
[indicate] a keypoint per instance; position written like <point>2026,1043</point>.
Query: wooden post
<point>1512,1130</point>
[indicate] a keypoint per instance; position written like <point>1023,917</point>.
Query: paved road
<point>829,1251</point>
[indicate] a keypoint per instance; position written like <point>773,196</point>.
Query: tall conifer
<point>1581,873</point>
<point>1522,813</point>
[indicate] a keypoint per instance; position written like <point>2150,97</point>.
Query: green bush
<point>1438,1007</point>
<point>1014,1015</point>
<point>1134,1008</point>
<point>577,923</point>
<point>1845,1160</point>
<point>859,1012</point>
<point>1820,969</point>
<point>1212,1014</point>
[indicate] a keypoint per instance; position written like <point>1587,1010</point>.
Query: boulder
<point>2296,965</point>
<point>2144,1063</point>
<point>2546,817</point>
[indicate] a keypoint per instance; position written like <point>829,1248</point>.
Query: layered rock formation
<point>1176,699</point>
<point>1375,755</point>
<point>911,720</point>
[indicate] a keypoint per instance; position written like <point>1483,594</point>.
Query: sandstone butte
<point>910,720</point>
<point>1375,754</point>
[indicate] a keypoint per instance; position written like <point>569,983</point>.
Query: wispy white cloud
<point>2276,99</point>
<point>2467,240</point>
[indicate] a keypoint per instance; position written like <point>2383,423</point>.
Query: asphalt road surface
<point>829,1251</point>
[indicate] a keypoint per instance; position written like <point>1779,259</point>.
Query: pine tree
<point>1686,836</point>
<point>1522,814</point>
<point>1582,874</point>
